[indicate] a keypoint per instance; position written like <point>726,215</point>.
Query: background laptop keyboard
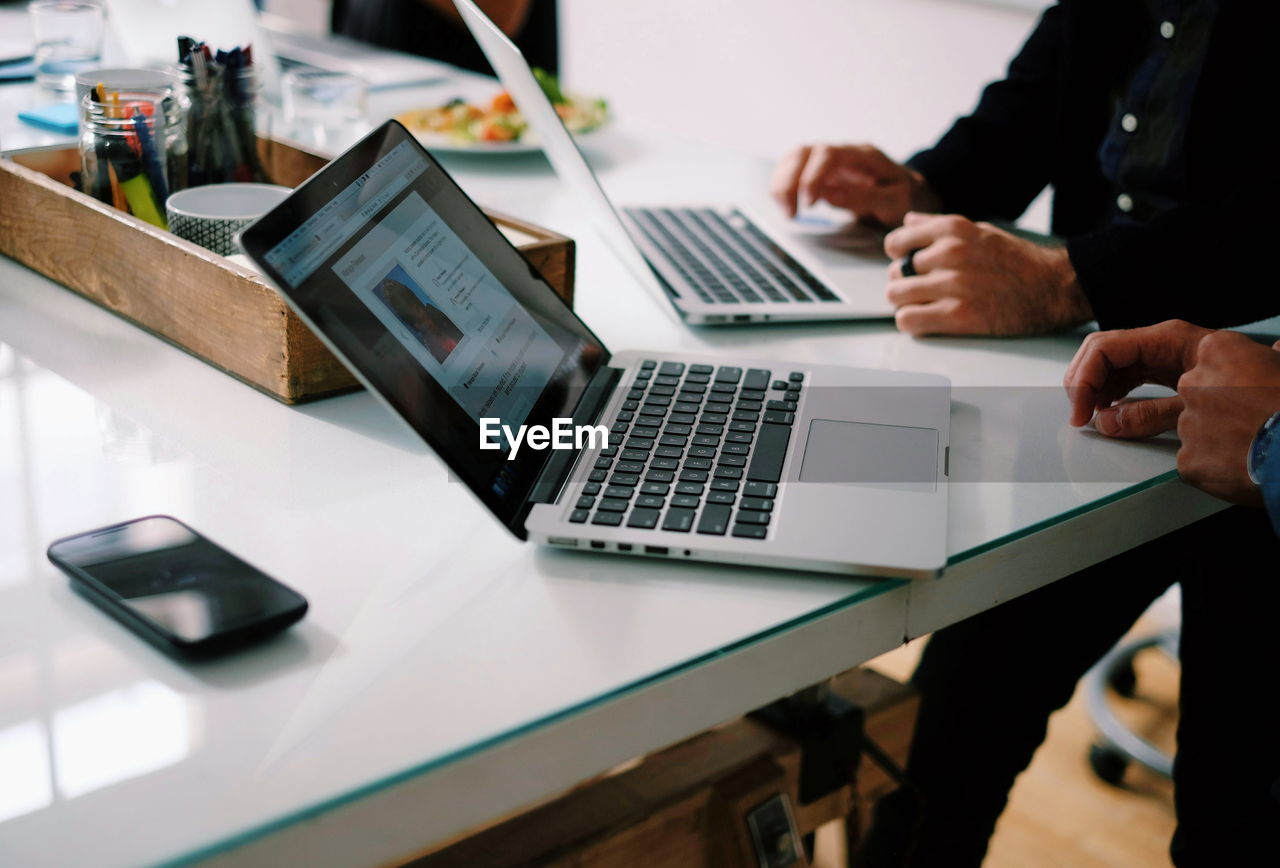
<point>694,449</point>
<point>725,258</point>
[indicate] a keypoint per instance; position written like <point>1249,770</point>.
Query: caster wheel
<point>1108,764</point>
<point>1123,680</point>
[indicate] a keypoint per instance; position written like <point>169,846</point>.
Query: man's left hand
<point>1233,388</point>
<point>972,278</point>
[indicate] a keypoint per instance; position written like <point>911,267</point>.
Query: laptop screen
<point>431,305</point>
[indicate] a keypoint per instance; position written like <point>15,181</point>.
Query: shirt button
<point>1124,202</point>
<point>1167,29</point>
<point>1129,123</point>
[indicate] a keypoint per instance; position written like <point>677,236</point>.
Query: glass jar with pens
<point>132,151</point>
<point>222,94</point>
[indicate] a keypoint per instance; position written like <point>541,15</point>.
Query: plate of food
<point>496,126</point>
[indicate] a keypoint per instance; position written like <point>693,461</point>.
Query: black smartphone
<point>175,588</point>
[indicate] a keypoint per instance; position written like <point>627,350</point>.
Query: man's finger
<point>921,289</point>
<point>1134,419</point>
<point>919,231</point>
<point>786,179</point>
<point>941,317</point>
<point>819,167</point>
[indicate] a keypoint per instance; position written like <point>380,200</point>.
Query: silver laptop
<point>679,456</point>
<point>718,264</point>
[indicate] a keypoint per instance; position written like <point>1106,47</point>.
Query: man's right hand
<point>859,178</point>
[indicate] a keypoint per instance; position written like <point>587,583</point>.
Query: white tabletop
<point>447,674</point>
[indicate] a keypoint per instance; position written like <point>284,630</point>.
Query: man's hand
<point>1233,388</point>
<point>1110,365</point>
<point>857,177</point>
<point>972,278</point>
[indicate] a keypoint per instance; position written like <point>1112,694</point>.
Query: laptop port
<point>655,550</point>
<point>624,547</point>
<point>563,541</point>
<point>742,317</point>
<point>597,544</point>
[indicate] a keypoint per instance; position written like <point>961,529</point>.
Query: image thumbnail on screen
<point>415,309</point>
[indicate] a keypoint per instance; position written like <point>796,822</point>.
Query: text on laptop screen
<point>435,309</point>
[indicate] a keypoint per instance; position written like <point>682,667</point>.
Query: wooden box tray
<point>202,302</point>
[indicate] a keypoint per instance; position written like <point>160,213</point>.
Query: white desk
<point>447,674</point>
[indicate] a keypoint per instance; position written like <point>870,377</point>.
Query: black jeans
<point>989,684</point>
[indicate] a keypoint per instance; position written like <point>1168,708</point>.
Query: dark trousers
<point>989,684</point>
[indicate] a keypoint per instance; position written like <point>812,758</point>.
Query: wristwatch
<point>1260,448</point>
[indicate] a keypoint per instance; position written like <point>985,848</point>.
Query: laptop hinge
<point>555,473</point>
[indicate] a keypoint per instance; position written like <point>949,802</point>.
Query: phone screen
<point>185,586</point>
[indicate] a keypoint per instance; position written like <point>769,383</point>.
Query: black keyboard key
<point>678,430</point>
<point>747,516</point>
<point>687,501</point>
<point>659,488</point>
<point>674,440</point>
<point>630,405</point>
<point>619,427</point>
<point>644,373</point>
<point>598,476</point>
<point>634,455</point>
<point>626,416</point>
<point>769,454</point>
<point>680,520</point>
<point>693,476</point>
<point>745,416</point>
<point>760,489</point>
<point>648,364</point>
<point>611,519</point>
<point>724,388</point>
<point>728,460</point>
<point>793,395</point>
<point>728,472</point>
<point>616,439</point>
<point>671,369</point>
<point>724,485</point>
<point>752,395</point>
<point>591,488</point>
<point>661,390</point>
<point>603,463</point>
<point>796,377</point>
<point>660,476</point>
<point>657,401</point>
<point>697,463</point>
<point>651,501</point>
<point>706,439</point>
<point>702,452</point>
<point>749,405</point>
<point>635,394</point>
<point>756,379</point>
<point>686,407</point>
<point>689,488</point>
<point>578,516</point>
<point>739,437</point>
<point>585,502</point>
<point>667,381</point>
<point>759,504</point>
<point>689,398</point>
<point>644,518</point>
<point>631,467</point>
<point>728,375</point>
<point>627,479</point>
<point>609,451</point>
<point>781,385</point>
<point>737,448</point>
<point>678,418</point>
<point>786,406</point>
<point>718,407</point>
<point>708,419</point>
<point>700,369</point>
<point>714,519</point>
<point>692,389</point>
<point>642,443</point>
<point>750,531</point>
<point>742,426</point>
<point>726,497</point>
<point>780,417</point>
<point>613,504</point>
<point>699,379</point>
<point>622,492</point>
<point>665,464</point>
<point>652,410</point>
<point>668,452</point>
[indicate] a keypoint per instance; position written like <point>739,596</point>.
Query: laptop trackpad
<point>878,456</point>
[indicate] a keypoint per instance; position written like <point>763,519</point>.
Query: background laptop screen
<point>431,304</point>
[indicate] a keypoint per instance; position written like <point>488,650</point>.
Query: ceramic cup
<point>212,215</point>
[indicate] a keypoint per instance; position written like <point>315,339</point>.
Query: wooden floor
<point>1060,815</point>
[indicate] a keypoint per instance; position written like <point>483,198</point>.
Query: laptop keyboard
<point>694,449</point>
<point>725,258</point>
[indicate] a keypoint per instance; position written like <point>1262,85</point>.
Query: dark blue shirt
<point>1143,154</point>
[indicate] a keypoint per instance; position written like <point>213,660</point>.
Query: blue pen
<point>150,160</point>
